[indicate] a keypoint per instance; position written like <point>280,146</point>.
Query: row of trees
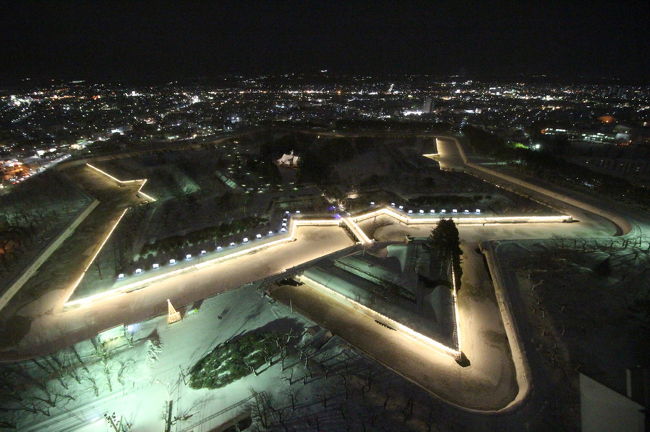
<point>436,200</point>
<point>45,385</point>
<point>215,233</point>
<point>342,390</point>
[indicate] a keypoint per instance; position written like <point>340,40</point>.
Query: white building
<point>288,160</point>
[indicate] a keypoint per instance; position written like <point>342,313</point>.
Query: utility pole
<point>168,418</point>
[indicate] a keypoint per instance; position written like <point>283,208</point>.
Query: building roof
<point>604,410</point>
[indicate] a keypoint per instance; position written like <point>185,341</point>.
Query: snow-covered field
<point>135,380</point>
<point>586,302</point>
<point>325,385</point>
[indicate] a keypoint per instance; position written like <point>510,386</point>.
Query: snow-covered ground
<point>586,305</point>
<point>153,376</point>
<point>330,388</point>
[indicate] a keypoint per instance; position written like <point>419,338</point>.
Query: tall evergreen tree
<point>445,243</point>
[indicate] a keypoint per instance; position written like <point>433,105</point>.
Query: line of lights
<point>469,220</point>
<point>351,222</point>
<point>39,261</point>
<point>357,231</point>
<point>454,295</point>
<point>141,181</point>
<point>291,235</point>
<point>248,248</point>
<point>74,286</point>
<point>370,312</point>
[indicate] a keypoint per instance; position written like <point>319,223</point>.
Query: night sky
<point>183,39</point>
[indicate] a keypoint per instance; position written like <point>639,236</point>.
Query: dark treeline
<point>216,232</point>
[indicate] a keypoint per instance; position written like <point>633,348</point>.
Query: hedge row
<point>225,229</point>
